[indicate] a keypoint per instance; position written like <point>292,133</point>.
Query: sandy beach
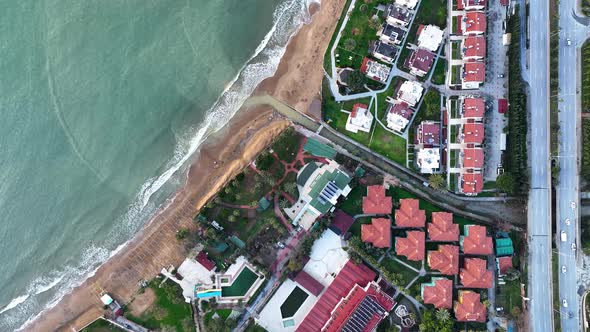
<point>296,82</point>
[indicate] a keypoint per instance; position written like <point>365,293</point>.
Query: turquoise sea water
<point>101,104</point>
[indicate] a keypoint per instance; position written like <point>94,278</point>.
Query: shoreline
<point>297,81</point>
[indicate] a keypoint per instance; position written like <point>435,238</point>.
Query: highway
<point>571,37</point>
<point>539,205</point>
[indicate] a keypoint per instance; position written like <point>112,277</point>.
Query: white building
<point>359,119</point>
<point>410,92</point>
<point>375,70</point>
<point>398,115</point>
<point>407,3</point>
<point>428,160</point>
<point>430,37</point>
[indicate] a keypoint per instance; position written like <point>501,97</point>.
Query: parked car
<point>573,246</point>
<point>564,303</point>
<point>568,42</point>
<point>563,236</point>
<point>563,269</point>
<point>567,221</point>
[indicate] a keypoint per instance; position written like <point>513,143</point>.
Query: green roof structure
<point>306,172</point>
<point>236,240</point>
<point>200,218</point>
<point>337,178</point>
<point>504,247</point>
<point>318,149</point>
<point>263,204</point>
<point>220,247</point>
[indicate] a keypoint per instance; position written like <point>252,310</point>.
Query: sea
<point>103,104</point>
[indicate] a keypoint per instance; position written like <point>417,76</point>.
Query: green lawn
<point>429,110</point>
<point>381,103</point>
<point>355,229</point>
<point>406,274</point>
<point>241,285</point>
<point>456,74</point>
<point>358,34</point>
<point>287,144</point>
<point>389,145</point>
<point>327,65</point>
<point>509,295</point>
<point>453,181</point>
<point>455,50</point>
<point>432,12</point>
<point>332,114</point>
<point>169,310</point>
<point>101,325</point>
<point>353,204</point>
<point>438,77</point>
<point>405,53</point>
<point>223,314</point>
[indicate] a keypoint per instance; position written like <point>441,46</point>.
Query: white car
<point>281,245</point>
<point>564,303</point>
<point>563,269</point>
<point>573,246</point>
<point>563,236</point>
<point>568,41</point>
<point>567,221</point>
<point>573,204</point>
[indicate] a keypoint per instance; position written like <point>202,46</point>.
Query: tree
<point>357,80</point>
<point>374,23</point>
<point>231,218</point>
<point>283,203</point>
<point>290,188</point>
<point>443,315</point>
<point>506,182</point>
<point>349,44</point>
<point>430,322</point>
<point>437,182</point>
<point>515,312</point>
<point>294,265</point>
<point>181,233</point>
<point>264,161</point>
<point>236,213</point>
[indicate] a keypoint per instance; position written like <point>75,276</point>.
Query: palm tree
<point>443,315</point>
<point>236,213</point>
<point>349,44</point>
<point>437,181</point>
<point>290,188</point>
<point>283,203</point>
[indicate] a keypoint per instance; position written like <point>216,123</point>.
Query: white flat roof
<point>430,37</point>
<point>327,258</point>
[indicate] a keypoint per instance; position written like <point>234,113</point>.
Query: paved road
<point>568,196</point>
<point>539,207</point>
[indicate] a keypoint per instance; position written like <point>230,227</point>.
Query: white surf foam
<point>287,18</point>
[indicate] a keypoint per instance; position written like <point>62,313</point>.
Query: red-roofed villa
<point>504,264</point>
<point>409,214</point>
<point>475,274</point>
<point>438,292</point>
<point>469,308</point>
<point>378,232</point>
<point>442,228</point>
<point>471,183</point>
<point>376,202</point>
<point>412,246</point>
<point>205,261</point>
<point>445,259</point>
<point>475,241</point>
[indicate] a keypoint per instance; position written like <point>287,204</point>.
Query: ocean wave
<point>288,17</point>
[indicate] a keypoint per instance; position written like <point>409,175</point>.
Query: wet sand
<point>296,82</point>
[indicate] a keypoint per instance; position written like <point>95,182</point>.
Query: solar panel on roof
<point>363,315</point>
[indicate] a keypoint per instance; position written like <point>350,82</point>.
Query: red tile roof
<point>469,308</point>
<point>351,313</point>
<point>356,107</point>
<point>411,246</point>
<point>350,275</point>
<point>473,158</point>
<point>475,274</point>
<point>428,133</point>
<point>472,183</point>
<point>205,261</point>
<point>474,47</point>
<point>309,283</point>
<point>442,228</point>
<point>376,202</point>
<point>502,105</point>
<point>504,264</point>
<point>409,214</point>
<point>473,133</point>
<point>439,294</point>
<point>341,222</point>
<point>473,107</point>
<point>445,259</point>
<point>378,232</point>
<point>474,72</point>
<point>421,59</point>
<point>364,65</point>
<point>402,109</point>
<point>475,22</point>
<point>476,241</point>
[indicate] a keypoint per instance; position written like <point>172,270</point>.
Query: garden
<point>101,325</point>
<point>168,312</point>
